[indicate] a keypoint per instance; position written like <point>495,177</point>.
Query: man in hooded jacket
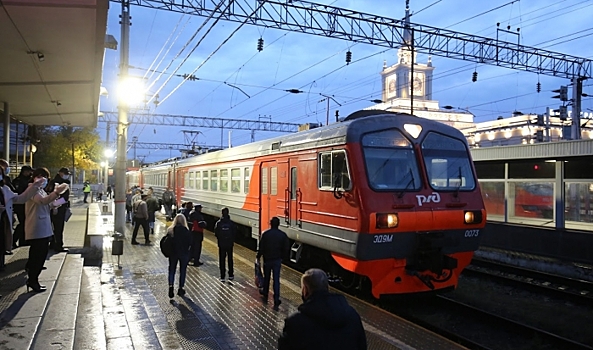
<point>324,320</point>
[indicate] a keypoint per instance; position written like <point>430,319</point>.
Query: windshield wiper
<point>411,182</point>
<point>459,186</point>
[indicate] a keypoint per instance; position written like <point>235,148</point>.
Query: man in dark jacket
<point>324,320</point>
<point>58,217</point>
<point>168,201</point>
<point>225,231</point>
<point>153,206</point>
<point>197,230</point>
<point>274,246</point>
<point>21,183</point>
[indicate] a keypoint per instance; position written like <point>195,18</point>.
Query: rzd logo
<point>434,197</point>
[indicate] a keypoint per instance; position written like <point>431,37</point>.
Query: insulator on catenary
<point>538,87</point>
<point>474,76</point>
<point>348,57</point>
<point>260,44</point>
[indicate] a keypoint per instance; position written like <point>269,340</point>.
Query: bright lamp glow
<point>413,129</point>
<point>103,164</point>
<point>130,90</point>
<point>108,153</point>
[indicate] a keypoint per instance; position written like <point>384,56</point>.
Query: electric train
<point>389,198</point>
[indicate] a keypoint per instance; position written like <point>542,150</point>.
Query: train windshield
<point>390,161</point>
<point>447,163</point>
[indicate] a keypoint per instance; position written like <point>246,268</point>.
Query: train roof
<point>349,130</point>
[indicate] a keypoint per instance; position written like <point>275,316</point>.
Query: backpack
<point>166,245</point>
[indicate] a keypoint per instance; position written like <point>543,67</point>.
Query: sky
<point>237,81</point>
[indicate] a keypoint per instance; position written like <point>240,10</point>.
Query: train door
<point>294,194</point>
<point>268,199</point>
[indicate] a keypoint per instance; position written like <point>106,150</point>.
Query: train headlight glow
<point>387,220</point>
<point>472,217</point>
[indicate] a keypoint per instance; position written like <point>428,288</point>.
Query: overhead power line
<point>335,22</point>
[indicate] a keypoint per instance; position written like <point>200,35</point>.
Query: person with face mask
<point>323,321</point>
<point>6,170</point>
<point>7,200</point>
<point>58,217</point>
<point>38,227</point>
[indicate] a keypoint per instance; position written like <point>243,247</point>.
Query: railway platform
<point>103,305</point>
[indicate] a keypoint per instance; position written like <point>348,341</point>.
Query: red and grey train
<point>389,196</point>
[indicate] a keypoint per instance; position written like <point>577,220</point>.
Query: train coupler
<point>426,279</point>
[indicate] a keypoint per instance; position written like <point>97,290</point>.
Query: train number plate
<point>383,239</point>
<point>472,233</point>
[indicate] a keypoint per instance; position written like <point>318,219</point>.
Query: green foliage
<point>56,146</point>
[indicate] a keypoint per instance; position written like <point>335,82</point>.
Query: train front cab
<point>421,211</point>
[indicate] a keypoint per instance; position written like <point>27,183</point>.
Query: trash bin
<point>105,208</point>
<point>117,245</point>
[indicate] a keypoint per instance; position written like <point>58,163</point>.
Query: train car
<point>392,198</point>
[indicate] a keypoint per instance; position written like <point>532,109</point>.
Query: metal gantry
<point>340,23</point>
<point>204,122</point>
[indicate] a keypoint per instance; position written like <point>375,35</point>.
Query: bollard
<point>117,246</point>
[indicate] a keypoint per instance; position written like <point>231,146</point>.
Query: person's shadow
<point>198,327</point>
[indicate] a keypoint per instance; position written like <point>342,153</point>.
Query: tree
<point>56,145</point>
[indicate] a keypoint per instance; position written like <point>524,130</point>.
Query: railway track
<point>479,329</point>
<point>571,289</point>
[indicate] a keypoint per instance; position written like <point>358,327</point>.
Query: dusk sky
<point>317,66</point>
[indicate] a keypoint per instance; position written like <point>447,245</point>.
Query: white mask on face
<point>44,183</point>
<point>65,177</point>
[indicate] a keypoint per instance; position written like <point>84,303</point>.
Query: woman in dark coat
<point>182,240</point>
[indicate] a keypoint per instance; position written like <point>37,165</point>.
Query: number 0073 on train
<point>381,197</point>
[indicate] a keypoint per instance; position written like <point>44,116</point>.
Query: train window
<point>205,180</point>
<point>246,182</point>
<point>185,179</point>
<point>293,183</point>
<point>333,170</point>
<point>264,180</point>
<point>192,176</point>
<point>236,180</point>
<point>213,180</point>
<point>198,180</point>
<point>224,180</point>
<point>390,161</point>
<point>447,163</point>
<point>273,181</point>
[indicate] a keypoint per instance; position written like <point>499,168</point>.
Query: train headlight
<point>387,220</point>
<point>472,217</point>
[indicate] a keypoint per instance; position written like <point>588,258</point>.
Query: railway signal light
<point>539,136</point>
<point>348,57</point>
<point>260,44</point>
<point>562,93</point>
<point>562,112</point>
<point>540,120</point>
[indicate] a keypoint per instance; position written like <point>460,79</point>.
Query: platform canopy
<point>51,60</point>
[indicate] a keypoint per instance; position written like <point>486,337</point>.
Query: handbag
<point>259,278</point>
<point>166,245</point>
<point>67,215</point>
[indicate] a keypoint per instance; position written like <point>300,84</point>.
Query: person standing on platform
<point>168,201</point>
<point>153,206</point>
<point>129,205</point>
<point>21,183</point>
<point>141,219</point>
<point>38,230</point>
<point>6,168</point>
<point>86,189</point>
<point>273,246</point>
<point>197,230</point>
<point>323,321</point>
<point>58,217</point>
<point>8,200</point>
<point>108,192</point>
<point>225,231</point>
<point>99,192</point>
<point>182,241</point>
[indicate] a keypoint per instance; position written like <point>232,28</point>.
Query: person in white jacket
<point>38,228</point>
<point>7,199</point>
